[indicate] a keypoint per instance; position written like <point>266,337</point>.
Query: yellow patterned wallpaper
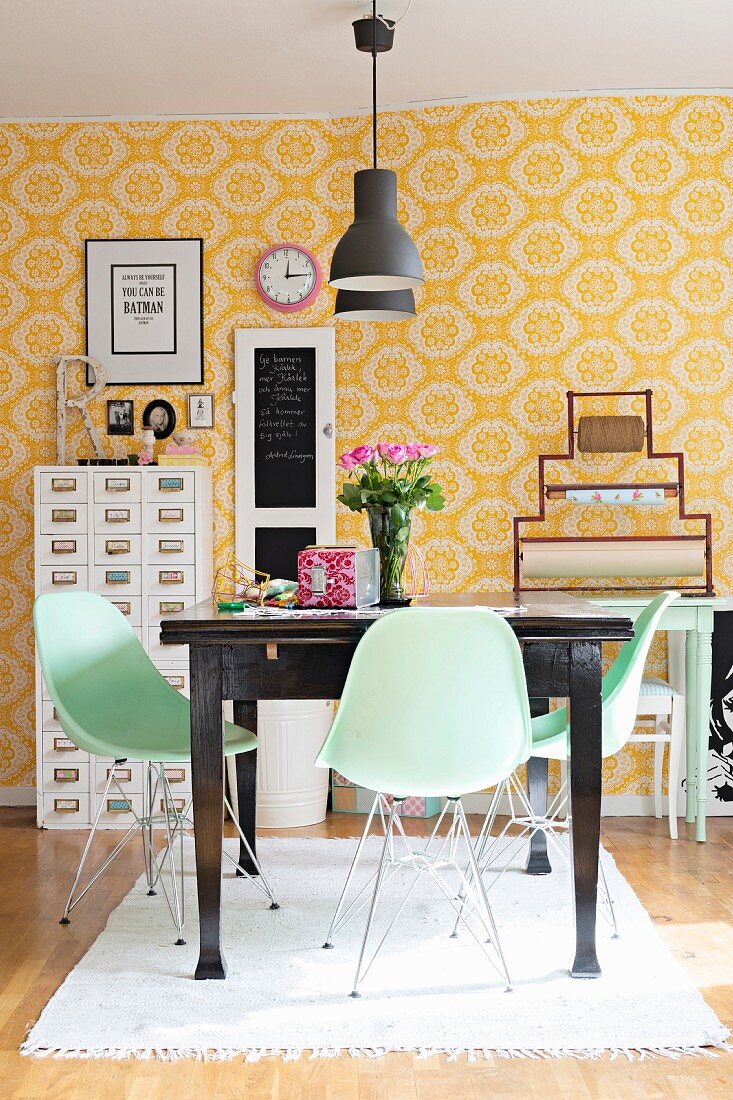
<point>567,243</point>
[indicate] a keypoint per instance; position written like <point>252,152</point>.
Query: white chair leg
<point>658,761</point>
<point>676,745</point>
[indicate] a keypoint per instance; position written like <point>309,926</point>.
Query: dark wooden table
<point>249,656</point>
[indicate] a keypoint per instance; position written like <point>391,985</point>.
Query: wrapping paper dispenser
<point>687,557</point>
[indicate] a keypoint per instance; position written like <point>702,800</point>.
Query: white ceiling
<point>136,58</point>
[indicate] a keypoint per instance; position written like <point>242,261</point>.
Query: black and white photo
<point>161,417</point>
<point>120,418</point>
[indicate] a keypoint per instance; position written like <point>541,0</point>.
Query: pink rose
<point>393,452</point>
<point>144,458</point>
<point>362,454</point>
<point>347,461</point>
<point>413,452</point>
<point>427,450</point>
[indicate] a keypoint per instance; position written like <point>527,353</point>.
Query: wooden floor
<point>686,887</point>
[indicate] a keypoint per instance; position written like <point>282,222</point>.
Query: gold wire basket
<point>236,584</point>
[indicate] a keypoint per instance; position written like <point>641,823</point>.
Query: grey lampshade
<point>375,252</point>
<point>375,305</point>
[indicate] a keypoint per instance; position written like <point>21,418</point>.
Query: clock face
<point>288,277</point>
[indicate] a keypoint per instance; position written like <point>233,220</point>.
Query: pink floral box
<point>338,576</point>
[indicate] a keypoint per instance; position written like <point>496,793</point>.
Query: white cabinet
<point>142,538</point>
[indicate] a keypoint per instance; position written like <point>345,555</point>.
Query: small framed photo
<point>161,417</point>
<point>120,418</point>
<point>201,410</point>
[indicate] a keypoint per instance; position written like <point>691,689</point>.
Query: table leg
<point>245,715</point>
<point>702,699</point>
<point>207,776</point>
<point>691,722</point>
<point>538,862</point>
<point>585,798</point>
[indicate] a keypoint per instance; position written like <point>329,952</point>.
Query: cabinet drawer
<point>117,517</point>
<point>117,549</point>
<point>131,607</point>
<point>171,486</point>
<point>170,516</point>
<point>117,487</point>
<point>116,810</point>
<point>118,580</point>
<point>71,776</point>
<point>62,550</point>
<point>64,578</point>
<point>172,548</point>
<point>69,810</point>
<point>59,750</point>
<point>63,518</point>
<point>175,654</point>
<point>129,777</point>
<point>169,604</point>
<point>176,677</point>
<point>63,487</point>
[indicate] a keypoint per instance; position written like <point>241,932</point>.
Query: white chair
<point>663,711</point>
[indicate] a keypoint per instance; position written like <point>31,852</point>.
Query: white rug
<point>133,995</point>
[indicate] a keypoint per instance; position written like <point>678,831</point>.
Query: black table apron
<point>246,658</point>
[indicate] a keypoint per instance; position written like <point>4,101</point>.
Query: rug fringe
<point>452,1054</point>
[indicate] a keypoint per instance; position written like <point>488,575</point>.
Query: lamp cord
<point>374,83</point>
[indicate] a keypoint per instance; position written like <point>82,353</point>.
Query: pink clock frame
<point>291,307</point>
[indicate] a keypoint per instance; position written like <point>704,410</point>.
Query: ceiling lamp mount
<point>376,253</point>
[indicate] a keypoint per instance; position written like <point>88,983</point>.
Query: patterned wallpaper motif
<point>567,243</point>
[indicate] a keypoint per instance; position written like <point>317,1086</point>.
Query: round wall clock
<point>288,277</point>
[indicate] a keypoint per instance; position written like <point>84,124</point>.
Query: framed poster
<point>284,444</point>
<point>144,318</point>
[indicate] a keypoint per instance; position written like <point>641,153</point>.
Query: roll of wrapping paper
<point>610,434</point>
<point>613,558</point>
<point>615,496</point>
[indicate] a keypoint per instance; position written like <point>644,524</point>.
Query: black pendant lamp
<point>376,254</point>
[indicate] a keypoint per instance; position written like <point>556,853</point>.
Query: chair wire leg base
<point>433,863</point>
<point>260,879</point>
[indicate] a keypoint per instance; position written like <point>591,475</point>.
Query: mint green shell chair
<point>551,740</point>
<point>112,701</point>
<point>435,703</point>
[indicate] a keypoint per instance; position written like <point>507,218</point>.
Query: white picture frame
<point>200,410</point>
<point>144,310</point>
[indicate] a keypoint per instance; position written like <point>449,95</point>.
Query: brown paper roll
<point>618,558</point>
<point>610,434</point>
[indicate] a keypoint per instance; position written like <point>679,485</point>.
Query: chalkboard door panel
<point>285,495</point>
<point>284,427</point>
<point>276,549</point>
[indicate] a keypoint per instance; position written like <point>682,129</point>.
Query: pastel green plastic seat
<point>551,739</point>
<point>620,693</point>
<point>112,701</point>
<point>435,703</point>
<point>110,698</point>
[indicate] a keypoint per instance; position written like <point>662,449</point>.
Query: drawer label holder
<point>117,546</point>
<point>170,546</point>
<point>63,515</point>
<point>170,484</point>
<point>118,576</point>
<point>118,806</point>
<point>170,515</point>
<point>66,805</point>
<point>63,744</point>
<point>117,515</point>
<point>64,576</point>
<point>63,546</point>
<point>170,576</point>
<point>117,485</point>
<point>66,775</point>
<point>63,484</point>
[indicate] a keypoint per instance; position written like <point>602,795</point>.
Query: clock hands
<point>296,274</point>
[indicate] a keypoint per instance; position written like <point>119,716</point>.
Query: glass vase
<point>390,531</point>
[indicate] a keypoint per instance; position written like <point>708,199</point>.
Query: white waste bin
<point>291,790</point>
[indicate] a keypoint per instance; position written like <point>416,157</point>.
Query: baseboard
<point>17,796</point>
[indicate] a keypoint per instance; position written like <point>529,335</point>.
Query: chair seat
<point>236,739</point>
<point>655,685</point>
